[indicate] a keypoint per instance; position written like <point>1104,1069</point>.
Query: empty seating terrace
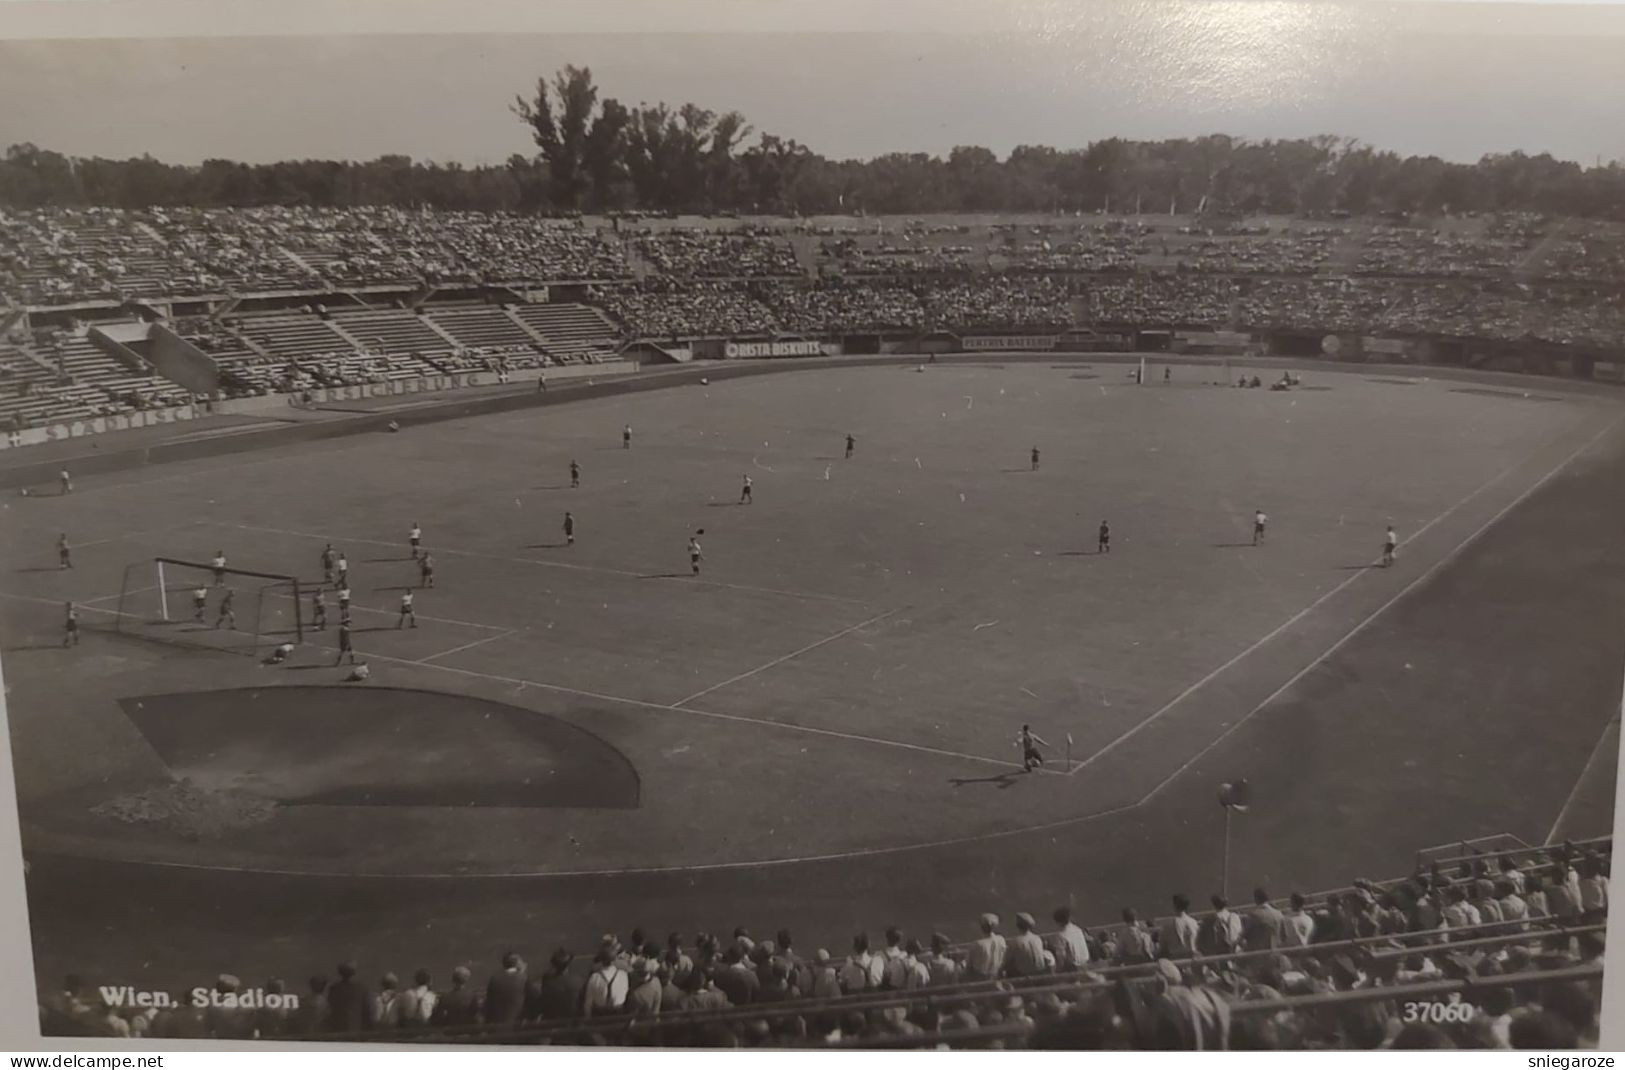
<point>388,330</point>
<point>292,335</point>
<point>85,363</point>
<point>482,327</point>
<point>573,333</point>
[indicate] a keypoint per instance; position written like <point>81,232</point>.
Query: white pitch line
<point>468,646</point>
<point>1312,606</point>
<point>1596,750</point>
<point>793,654</point>
<point>110,597</point>
<point>622,700</point>
<point>543,563</point>
<point>1380,610</point>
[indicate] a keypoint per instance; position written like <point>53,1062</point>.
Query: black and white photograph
<point>1071,526</point>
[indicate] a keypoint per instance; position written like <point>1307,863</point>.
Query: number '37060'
<point>1438,1012</point>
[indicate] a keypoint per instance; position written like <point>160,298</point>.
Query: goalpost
<point>266,606</point>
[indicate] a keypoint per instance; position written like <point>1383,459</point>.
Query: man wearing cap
<point>1025,956</point>
<point>555,996</point>
<point>459,1004</point>
<point>229,1023</point>
<point>606,985</point>
<point>986,958</point>
<point>826,983</point>
<point>1186,1017</point>
<point>644,996</point>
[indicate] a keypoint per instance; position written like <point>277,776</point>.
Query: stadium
<point>814,631</point>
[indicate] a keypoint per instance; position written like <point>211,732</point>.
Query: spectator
<point>505,991</point>
<point>1187,1017</point>
<point>676,960</point>
<point>1135,942</point>
<point>800,975</point>
<point>386,1004</point>
<point>1300,924</point>
<point>986,958</point>
<point>918,968</point>
<point>312,1015</point>
<point>701,993</point>
<point>1025,956</point>
<point>939,962</point>
<point>556,996</point>
<point>1458,912</point>
<point>1220,932</point>
<point>607,984</point>
<point>1264,928</point>
<point>459,1005</point>
<point>1180,932</point>
<point>858,971</point>
<point>644,996</point>
<point>417,1004</point>
<point>736,979</point>
<point>1593,888</point>
<point>1069,947</point>
<point>349,1004</point>
<point>826,982</point>
<point>893,965</point>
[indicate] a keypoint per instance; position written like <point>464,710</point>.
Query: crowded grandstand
<point>277,300</point>
<point>1492,950</point>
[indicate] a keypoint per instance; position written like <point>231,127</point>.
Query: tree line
<point>597,154</point>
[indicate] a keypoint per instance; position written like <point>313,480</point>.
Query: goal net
<point>193,603</point>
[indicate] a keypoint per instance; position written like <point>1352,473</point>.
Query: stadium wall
<point>180,361</point>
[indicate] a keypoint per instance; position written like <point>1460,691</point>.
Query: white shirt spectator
<point>1179,935</point>
<point>1300,928</point>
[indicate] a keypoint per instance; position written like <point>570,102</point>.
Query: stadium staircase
<point>1345,253</point>
<point>1535,260</point>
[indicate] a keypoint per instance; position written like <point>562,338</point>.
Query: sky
<point>187,80</point>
